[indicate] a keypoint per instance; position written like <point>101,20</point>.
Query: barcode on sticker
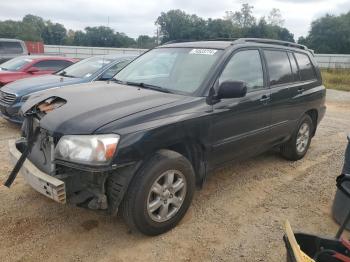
<point>203,51</point>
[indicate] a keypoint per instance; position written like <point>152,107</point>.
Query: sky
<point>137,17</point>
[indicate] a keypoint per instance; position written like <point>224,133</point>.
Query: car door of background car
<point>240,126</point>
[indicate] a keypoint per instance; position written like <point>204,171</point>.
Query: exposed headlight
<point>87,149</point>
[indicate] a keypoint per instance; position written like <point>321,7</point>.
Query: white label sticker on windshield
<point>203,51</point>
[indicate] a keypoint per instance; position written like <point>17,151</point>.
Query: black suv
<point>143,141</point>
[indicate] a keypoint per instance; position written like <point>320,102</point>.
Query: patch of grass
<point>336,79</point>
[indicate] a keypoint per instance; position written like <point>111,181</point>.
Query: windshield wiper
<point>3,68</point>
<point>144,85</point>
<point>117,81</point>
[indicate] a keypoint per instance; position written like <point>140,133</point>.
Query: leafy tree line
<point>172,25</point>
<point>329,34</point>
<point>35,28</point>
<point>176,24</point>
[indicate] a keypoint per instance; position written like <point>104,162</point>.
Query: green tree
<point>177,25</point>
<point>221,28</point>
<point>54,33</point>
<point>122,40</point>
<point>265,30</point>
<point>329,34</point>
<point>275,17</point>
<point>19,30</point>
<point>36,22</point>
<point>243,18</point>
<point>146,42</point>
<point>99,36</point>
<point>79,38</point>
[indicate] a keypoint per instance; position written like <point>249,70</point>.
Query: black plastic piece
<point>315,247</point>
<point>341,203</point>
<point>343,226</point>
<point>32,136</point>
<point>346,167</point>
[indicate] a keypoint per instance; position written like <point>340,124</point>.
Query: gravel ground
<point>238,215</point>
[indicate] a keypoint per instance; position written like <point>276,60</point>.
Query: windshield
<point>175,69</point>
<point>85,68</point>
<point>15,64</point>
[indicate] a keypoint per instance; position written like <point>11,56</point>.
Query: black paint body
<point>209,133</point>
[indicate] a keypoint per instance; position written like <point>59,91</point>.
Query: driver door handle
<point>301,90</point>
<point>265,98</point>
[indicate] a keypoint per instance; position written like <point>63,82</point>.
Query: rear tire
<point>160,193</point>
<point>298,145</point>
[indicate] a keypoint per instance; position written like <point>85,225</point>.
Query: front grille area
<point>42,153</point>
<point>7,98</point>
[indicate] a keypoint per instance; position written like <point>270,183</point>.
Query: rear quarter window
<point>306,69</point>
<point>278,66</point>
<point>11,48</point>
<point>294,65</point>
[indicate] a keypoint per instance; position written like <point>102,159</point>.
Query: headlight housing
<point>87,149</point>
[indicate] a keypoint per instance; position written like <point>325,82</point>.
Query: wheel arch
<point>313,113</point>
<point>194,151</point>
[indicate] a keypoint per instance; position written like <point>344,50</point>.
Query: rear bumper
<point>47,185</point>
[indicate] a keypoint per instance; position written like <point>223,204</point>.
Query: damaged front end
<point>65,168</point>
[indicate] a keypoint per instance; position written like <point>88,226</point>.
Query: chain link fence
<point>323,60</point>
<point>333,61</point>
<point>84,51</point>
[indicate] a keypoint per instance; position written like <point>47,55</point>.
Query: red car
<point>28,66</point>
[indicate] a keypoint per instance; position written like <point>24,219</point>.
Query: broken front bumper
<point>47,185</point>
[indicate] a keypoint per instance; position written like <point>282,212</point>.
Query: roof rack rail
<point>270,41</point>
<point>196,40</point>
<point>178,41</point>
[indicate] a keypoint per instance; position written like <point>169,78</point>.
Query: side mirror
<point>232,89</point>
<point>106,76</point>
<point>33,70</point>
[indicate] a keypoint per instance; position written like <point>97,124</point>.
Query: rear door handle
<point>265,98</point>
<point>301,90</point>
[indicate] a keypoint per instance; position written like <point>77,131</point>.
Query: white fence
<point>84,51</point>
<point>333,60</point>
<point>323,60</point>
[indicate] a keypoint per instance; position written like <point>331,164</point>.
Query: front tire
<point>297,147</point>
<point>160,193</point>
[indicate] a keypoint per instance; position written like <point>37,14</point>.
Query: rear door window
<point>307,71</point>
<point>279,68</point>
<point>52,65</point>
<point>11,48</point>
<point>245,66</point>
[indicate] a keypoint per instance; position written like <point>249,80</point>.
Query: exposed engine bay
<point>83,188</point>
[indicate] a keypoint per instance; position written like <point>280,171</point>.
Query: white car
<point>10,48</point>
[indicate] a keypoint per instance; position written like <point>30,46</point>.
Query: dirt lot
<point>237,216</point>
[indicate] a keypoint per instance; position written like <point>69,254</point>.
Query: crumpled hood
<point>34,84</point>
<point>92,105</point>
